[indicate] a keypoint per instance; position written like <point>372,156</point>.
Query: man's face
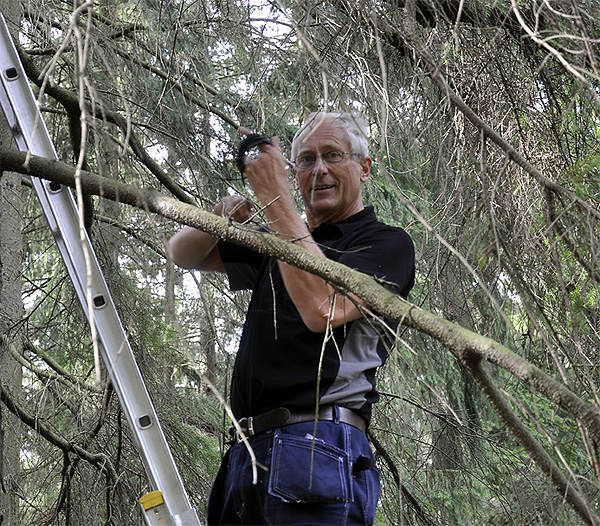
<point>331,192</point>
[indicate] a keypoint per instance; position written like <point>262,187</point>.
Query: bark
<point>11,311</point>
<point>10,315</point>
<point>528,441</point>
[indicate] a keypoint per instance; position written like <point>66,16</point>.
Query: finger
<point>265,146</point>
<point>227,204</point>
<point>250,143</point>
<point>243,211</point>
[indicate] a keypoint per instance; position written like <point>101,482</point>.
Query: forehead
<point>322,135</point>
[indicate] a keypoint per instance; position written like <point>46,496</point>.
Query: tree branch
<point>419,511</point>
<point>179,87</point>
<point>65,378</point>
<point>100,460</point>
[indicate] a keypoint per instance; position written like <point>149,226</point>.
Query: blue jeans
<point>307,477</point>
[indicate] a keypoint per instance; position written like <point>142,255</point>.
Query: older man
<point>304,377</point>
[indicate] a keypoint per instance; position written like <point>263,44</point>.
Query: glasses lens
<point>333,157</point>
<point>305,161</point>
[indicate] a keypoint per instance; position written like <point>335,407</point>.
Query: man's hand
<point>234,206</point>
<point>268,174</point>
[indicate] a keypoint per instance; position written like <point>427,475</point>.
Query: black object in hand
<point>251,141</point>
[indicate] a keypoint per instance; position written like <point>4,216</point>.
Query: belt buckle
<point>247,429</point>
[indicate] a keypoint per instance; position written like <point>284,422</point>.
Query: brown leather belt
<point>284,417</point>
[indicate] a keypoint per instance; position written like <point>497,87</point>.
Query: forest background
<point>485,135</point>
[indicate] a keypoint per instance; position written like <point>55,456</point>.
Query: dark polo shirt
<point>280,361</point>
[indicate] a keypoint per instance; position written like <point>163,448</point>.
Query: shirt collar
<point>345,226</point>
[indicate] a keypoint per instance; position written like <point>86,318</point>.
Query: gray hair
<point>354,126</point>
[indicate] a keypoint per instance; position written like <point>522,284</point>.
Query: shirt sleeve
<point>388,255</point>
<point>241,264</point>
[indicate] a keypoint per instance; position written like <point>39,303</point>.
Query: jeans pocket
<point>305,469</point>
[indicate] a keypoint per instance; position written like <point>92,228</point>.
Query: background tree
<point>485,132</point>
<point>11,313</point>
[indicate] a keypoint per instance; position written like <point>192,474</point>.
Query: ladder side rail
<point>30,134</point>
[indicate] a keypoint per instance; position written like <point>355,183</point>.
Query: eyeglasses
<point>308,161</point>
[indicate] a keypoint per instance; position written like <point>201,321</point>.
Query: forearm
<point>318,304</point>
<point>191,248</point>
<point>313,297</point>
<point>194,249</point>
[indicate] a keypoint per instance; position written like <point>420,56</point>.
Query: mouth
<point>321,187</point>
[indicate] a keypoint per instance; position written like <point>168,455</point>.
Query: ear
<point>365,166</point>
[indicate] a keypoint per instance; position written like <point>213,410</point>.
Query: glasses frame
<point>320,155</point>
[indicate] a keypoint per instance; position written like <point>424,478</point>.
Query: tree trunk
<point>11,312</point>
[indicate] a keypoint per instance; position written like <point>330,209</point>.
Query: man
<point>304,378</point>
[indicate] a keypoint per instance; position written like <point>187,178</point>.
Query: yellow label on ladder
<point>155,509</point>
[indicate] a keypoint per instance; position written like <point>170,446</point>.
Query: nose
<point>320,165</point>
